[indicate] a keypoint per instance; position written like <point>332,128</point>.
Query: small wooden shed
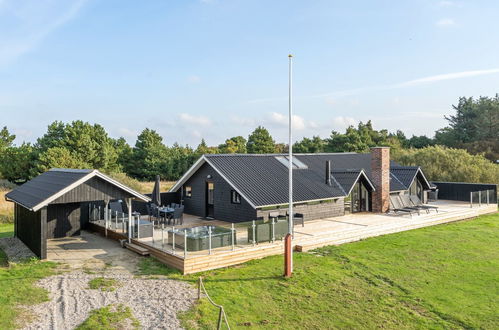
<point>55,204</point>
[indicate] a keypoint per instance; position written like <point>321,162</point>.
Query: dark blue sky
<point>218,68</point>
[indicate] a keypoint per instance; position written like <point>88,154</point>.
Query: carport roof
<point>48,186</point>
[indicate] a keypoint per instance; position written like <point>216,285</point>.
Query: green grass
<point>110,317</point>
<point>436,277</point>
<point>17,287</point>
<point>103,283</point>
<point>6,229</point>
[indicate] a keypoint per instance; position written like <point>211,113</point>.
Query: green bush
<point>449,164</point>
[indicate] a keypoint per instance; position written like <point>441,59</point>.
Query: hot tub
<point>198,237</point>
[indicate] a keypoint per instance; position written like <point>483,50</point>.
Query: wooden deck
<point>317,233</point>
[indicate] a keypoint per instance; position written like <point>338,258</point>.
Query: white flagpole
<point>290,149</point>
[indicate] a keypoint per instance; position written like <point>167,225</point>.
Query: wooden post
<point>287,256</point>
<point>220,316</point>
<point>480,198</point>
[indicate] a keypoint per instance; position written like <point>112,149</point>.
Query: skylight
<point>297,164</point>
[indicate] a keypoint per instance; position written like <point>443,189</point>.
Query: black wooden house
<point>55,204</point>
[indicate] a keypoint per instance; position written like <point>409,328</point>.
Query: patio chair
<point>298,217</point>
<point>406,202</point>
<point>177,217</point>
<point>416,201</point>
<point>395,207</point>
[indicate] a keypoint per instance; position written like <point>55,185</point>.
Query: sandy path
<point>154,302</point>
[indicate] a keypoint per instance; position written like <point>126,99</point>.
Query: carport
<point>56,203</point>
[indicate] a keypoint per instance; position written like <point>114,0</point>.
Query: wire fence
<point>222,317</point>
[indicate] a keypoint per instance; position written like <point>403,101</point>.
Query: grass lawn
<point>444,276</point>
<point>17,284</point>
<point>6,229</point>
<point>17,287</point>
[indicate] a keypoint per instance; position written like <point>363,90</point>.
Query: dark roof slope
<point>47,186</point>
<point>44,186</point>
<point>263,180</point>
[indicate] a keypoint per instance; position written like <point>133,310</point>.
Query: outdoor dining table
<point>166,210</point>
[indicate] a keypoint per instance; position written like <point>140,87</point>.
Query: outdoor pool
<point>198,237</point>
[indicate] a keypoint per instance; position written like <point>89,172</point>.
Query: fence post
<point>233,243</point>
<point>220,316</point>
<point>488,199</point>
<point>273,231</point>
<point>173,238</point>
<point>185,243</point>
<point>138,227</point>
<point>254,232</point>
<point>480,198</point>
<point>209,239</point>
<point>471,199</point>
<point>162,235</point>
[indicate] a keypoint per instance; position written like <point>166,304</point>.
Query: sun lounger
<point>415,199</point>
<point>407,203</point>
<point>397,208</point>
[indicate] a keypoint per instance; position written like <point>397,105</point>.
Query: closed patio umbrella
<point>156,195</point>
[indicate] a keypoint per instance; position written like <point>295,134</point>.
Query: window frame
<point>233,194</point>
<point>188,194</point>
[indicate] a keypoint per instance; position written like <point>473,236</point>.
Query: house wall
<point>223,208</point>
<point>312,211</point>
<point>66,219</point>
<point>95,189</point>
<point>31,230</point>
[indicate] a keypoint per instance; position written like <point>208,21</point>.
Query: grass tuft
<point>110,317</point>
<point>103,284</point>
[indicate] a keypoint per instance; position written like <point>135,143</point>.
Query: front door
<point>210,189</point>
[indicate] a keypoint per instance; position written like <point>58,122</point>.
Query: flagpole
<point>290,156</point>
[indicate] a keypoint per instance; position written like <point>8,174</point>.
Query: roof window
<point>297,164</point>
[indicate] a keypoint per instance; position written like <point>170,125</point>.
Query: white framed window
<point>188,191</point>
<point>235,198</point>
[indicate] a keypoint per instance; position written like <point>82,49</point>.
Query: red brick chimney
<point>380,171</point>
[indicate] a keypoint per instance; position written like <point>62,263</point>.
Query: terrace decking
<point>316,233</point>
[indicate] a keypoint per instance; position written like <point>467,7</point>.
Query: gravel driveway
<point>154,302</point>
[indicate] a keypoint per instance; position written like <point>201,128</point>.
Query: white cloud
<point>447,76</point>
<point>127,133</point>
<point>283,120</point>
<point>194,79</point>
<point>32,23</point>
<point>195,120</point>
<point>341,123</point>
<point>410,83</point>
<point>243,121</point>
<point>445,22</point>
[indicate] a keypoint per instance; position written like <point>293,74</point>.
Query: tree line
<point>465,150</point>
